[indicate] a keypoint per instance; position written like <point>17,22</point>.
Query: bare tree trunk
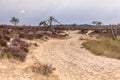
<point>114,32</point>
<point>51,28</point>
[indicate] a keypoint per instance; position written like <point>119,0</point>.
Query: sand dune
<point>75,63</point>
<point>72,62</point>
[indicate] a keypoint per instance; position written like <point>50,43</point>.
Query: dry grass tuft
<point>104,46</point>
<point>43,69</point>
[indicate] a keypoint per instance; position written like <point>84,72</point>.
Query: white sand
<point>70,60</point>
<point>75,63</point>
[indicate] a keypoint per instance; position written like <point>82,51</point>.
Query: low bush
<point>21,44</point>
<point>13,52</point>
<point>1,35</point>
<point>5,31</point>
<point>22,35</point>
<point>16,50</point>
<point>43,69</point>
<point>3,43</point>
<point>24,48</point>
<point>7,37</point>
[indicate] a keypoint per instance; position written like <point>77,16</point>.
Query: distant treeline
<point>62,27</point>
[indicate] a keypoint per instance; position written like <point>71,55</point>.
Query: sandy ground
<point>72,62</point>
<point>16,70</point>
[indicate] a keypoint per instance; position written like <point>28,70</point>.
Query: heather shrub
<point>24,48</point>
<point>0,51</point>
<point>1,36</point>
<point>6,37</point>
<point>30,36</point>
<point>6,31</point>
<point>22,44</point>
<point>13,52</point>
<point>38,36</point>
<point>21,35</point>
<point>17,41</point>
<point>3,43</point>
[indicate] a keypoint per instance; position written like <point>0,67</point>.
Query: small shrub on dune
<point>6,37</point>
<point>30,36</point>
<point>0,51</point>
<point>38,36</point>
<point>22,44</point>
<point>24,48</point>
<point>19,42</point>
<point>1,36</point>
<point>16,41</point>
<point>43,69</point>
<point>3,43</point>
<point>6,31</point>
<point>22,35</point>
<point>35,44</point>
<point>0,48</point>
<point>63,35</point>
<point>47,69</point>
<point>13,52</point>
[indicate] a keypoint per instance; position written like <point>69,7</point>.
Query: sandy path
<point>75,63</point>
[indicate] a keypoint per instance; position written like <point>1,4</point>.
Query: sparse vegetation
<point>21,44</point>
<point>83,38</point>
<point>3,43</point>
<point>7,37</point>
<point>104,46</point>
<point>12,52</point>
<point>11,39</point>
<point>43,69</point>
<point>17,48</point>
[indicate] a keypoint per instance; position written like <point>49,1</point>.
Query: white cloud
<point>22,11</point>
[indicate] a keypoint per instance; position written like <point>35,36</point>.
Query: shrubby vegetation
<point>44,69</point>
<point>104,45</point>
<point>17,49</point>
<point>13,52</point>
<point>11,39</point>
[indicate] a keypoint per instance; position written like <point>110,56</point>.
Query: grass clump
<point>104,46</point>
<point>82,38</point>
<point>43,69</point>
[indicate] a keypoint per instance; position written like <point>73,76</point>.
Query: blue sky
<point>66,11</point>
